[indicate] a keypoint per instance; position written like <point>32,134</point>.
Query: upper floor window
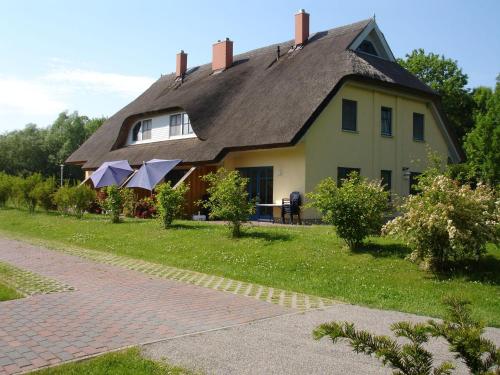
<point>349,114</point>
<point>386,121</point>
<point>418,127</point>
<point>367,47</point>
<point>345,172</point>
<point>135,131</point>
<point>147,125</point>
<point>180,125</point>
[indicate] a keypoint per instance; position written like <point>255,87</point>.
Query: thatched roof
<point>258,102</point>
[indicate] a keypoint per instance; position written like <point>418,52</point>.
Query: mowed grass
<point>304,259</point>
<point>127,362</point>
<point>6,292</point>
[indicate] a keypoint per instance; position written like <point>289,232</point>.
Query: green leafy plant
<point>62,199</point>
<point>460,330</point>
<point>44,192</point>
<point>464,336</point>
<point>447,222</point>
<point>26,190</point>
<point>74,199</point>
<point>169,201</point>
<point>5,188</point>
<point>409,358</point>
<point>356,207</point>
<point>228,198</point>
<point>113,203</point>
<point>129,202</point>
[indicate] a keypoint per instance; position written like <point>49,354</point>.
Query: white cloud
<point>98,82</point>
<point>28,97</point>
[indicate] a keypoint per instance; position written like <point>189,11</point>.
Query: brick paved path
<point>110,308</point>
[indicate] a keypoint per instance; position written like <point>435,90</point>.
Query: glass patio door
<point>260,188</point>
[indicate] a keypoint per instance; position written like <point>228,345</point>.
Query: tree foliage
<point>113,203</point>
<point>228,198</point>
<point>356,207</point>
<point>169,201</point>
<point>42,150</point>
<point>446,77</point>
<point>482,144</point>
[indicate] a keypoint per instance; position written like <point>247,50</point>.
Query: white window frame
<point>181,136</point>
<point>165,126</point>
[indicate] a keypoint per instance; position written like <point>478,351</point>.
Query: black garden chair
<point>291,206</point>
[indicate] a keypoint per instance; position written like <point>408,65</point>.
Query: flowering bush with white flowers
<point>447,222</point>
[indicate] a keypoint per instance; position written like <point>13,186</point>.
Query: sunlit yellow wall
<point>288,168</point>
<point>328,147</point>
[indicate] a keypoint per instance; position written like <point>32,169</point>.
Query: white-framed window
<point>161,128</point>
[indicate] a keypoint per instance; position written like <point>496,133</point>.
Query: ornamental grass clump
<point>356,208</point>
<point>169,201</point>
<point>228,199</point>
<point>447,222</point>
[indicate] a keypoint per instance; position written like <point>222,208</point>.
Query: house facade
<point>286,116</point>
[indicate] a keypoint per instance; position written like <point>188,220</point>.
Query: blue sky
<point>96,56</point>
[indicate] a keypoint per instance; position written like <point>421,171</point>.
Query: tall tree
<point>482,144</point>
<point>445,77</point>
<point>35,149</point>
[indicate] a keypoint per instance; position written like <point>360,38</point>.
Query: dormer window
<point>367,47</point>
<point>161,128</point>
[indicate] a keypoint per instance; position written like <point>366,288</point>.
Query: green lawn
<point>304,259</point>
<point>6,292</point>
<point>128,362</point>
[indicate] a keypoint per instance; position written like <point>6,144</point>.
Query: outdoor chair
<point>291,206</point>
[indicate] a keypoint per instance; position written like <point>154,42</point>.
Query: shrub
<point>5,188</point>
<point>145,208</point>
<point>26,190</point>
<point>447,221</point>
<point>81,197</point>
<point>228,198</point>
<point>44,192</point>
<point>169,201</point>
<point>62,199</point>
<point>463,334</point>
<point>356,207</point>
<point>129,201</point>
<point>113,203</point>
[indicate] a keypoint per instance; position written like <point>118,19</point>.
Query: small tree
<point>169,201</point>
<point>81,197</point>
<point>356,207</point>
<point>129,202</point>
<point>44,192</point>
<point>26,188</point>
<point>464,336</point>
<point>447,221</point>
<point>228,198</point>
<point>113,203</point>
<point>409,358</point>
<point>5,188</point>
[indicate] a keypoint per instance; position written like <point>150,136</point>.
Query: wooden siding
<point>197,188</point>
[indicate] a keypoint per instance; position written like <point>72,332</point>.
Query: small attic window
<point>367,47</point>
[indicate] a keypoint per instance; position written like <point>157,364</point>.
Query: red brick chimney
<point>181,66</point>
<point>222,55</point>
<point>301,27</point>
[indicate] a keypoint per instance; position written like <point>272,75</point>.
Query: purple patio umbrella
<point>111,173</point>
<point>151,173</point>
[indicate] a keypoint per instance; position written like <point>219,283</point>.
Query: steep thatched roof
<point>258,102</point>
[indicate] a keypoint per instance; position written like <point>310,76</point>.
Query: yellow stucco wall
<point>328,147</point>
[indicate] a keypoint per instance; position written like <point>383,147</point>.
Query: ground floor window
<point>344,172</point>
<point>260,188</point>
<point>414,182</point>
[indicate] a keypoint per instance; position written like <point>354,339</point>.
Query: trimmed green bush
<point>129,202</point>
<point>44,193</point>
<point>5,188</point>
<point>228,198</point>
<point>74,199</point>
<point>169,201</point>
<point>356,207</point>
<point>26,190</point>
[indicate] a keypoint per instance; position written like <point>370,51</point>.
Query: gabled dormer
<point>372,41</point>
